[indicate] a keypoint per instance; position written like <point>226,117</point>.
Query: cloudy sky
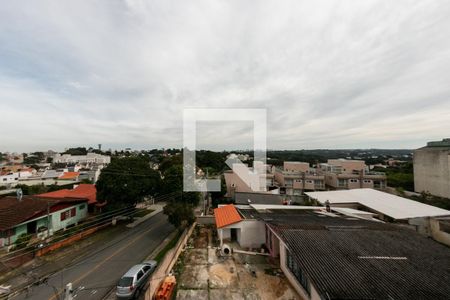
<point>331,74</point>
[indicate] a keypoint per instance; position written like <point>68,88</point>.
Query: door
<point>233,232</point>
<point>31,227</point>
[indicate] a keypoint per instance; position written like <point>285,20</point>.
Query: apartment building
<point>247,181</point>
<point>90,158</point>
<point>432,168</point>
<point>351,174</point>
<point>296,177</point>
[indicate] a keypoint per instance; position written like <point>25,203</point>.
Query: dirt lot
<point>203,274</point>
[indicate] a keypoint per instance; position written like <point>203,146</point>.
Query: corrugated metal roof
<point>358,259</point>
<point>226,215</point>
<point>390,205</point>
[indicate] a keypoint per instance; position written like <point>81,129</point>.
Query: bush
<point>179,214</point>
<point>22,241</point>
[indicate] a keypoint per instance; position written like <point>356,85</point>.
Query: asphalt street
<point>98,271</point>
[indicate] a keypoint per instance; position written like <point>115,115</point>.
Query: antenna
<point>19,193</point>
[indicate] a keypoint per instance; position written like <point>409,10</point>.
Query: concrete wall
<point>432,171</point>
<point>249,234</point>
<point>295,166</point>
<point>289,276</point>
<point>348,166</point>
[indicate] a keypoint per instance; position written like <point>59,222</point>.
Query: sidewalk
<point>157,207</point>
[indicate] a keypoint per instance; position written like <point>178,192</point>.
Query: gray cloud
<point>330,73</point>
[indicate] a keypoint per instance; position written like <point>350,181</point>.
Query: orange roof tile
<point>82,191</point>
<point>226,215</point>
<point>69,175</point>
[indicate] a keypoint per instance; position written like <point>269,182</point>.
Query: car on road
<point>131,284</point>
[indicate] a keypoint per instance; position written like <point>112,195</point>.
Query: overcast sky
<point>331,74</point>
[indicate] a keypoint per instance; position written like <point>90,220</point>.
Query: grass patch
<point>140,212</point>
<point>169,246</point>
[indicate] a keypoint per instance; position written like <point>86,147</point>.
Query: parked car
<point>134,280</point>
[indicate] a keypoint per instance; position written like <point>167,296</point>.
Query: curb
<point>144,218</point>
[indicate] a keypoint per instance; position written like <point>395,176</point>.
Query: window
<point>353,180</point>
<point>83,206</point>
<point>139,275</point>
<point>125,282</point>
<point>146,268</point>
<point>297,271</point>
<point>342,182</point>
<point>68,214</point>
<point>444,226</point>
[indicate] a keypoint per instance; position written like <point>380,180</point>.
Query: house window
<point>68,213</point>
<point>353,180</point>
<point>342,182</point>
<point>83,206</point>
<point>444,226</point>
<point>297,271</point>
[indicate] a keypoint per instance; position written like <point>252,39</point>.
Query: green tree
<point>76,151</point>
<point>180,214</point>
<point>125,181</point>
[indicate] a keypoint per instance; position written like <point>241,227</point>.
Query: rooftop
<point>226,215</point>
<point>82,191</point>
<point>390,205</point>
<point>347,258</point>
<point>69,175</point>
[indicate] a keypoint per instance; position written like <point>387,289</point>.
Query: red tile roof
<point>226,215</point>
<point>82,191</point>
<point>69,175</point>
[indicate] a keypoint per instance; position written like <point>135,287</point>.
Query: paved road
<point>98,272</point>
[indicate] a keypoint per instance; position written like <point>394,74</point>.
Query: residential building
<point>251,182</point>
<point>32,215</point>
<point>351,174</point>
<point>90,158</point>
<point>297,177</point>
<point>329,255</point>
<point>432,169</point>
<point>83,191</point>
<point>9,177</point>
<point>232,227</point>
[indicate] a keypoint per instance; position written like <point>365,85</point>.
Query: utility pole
<point>48,219</point>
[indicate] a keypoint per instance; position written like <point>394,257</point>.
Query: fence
<point>206,220</point>
<point>167,263</point>
<point>70,240</point>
